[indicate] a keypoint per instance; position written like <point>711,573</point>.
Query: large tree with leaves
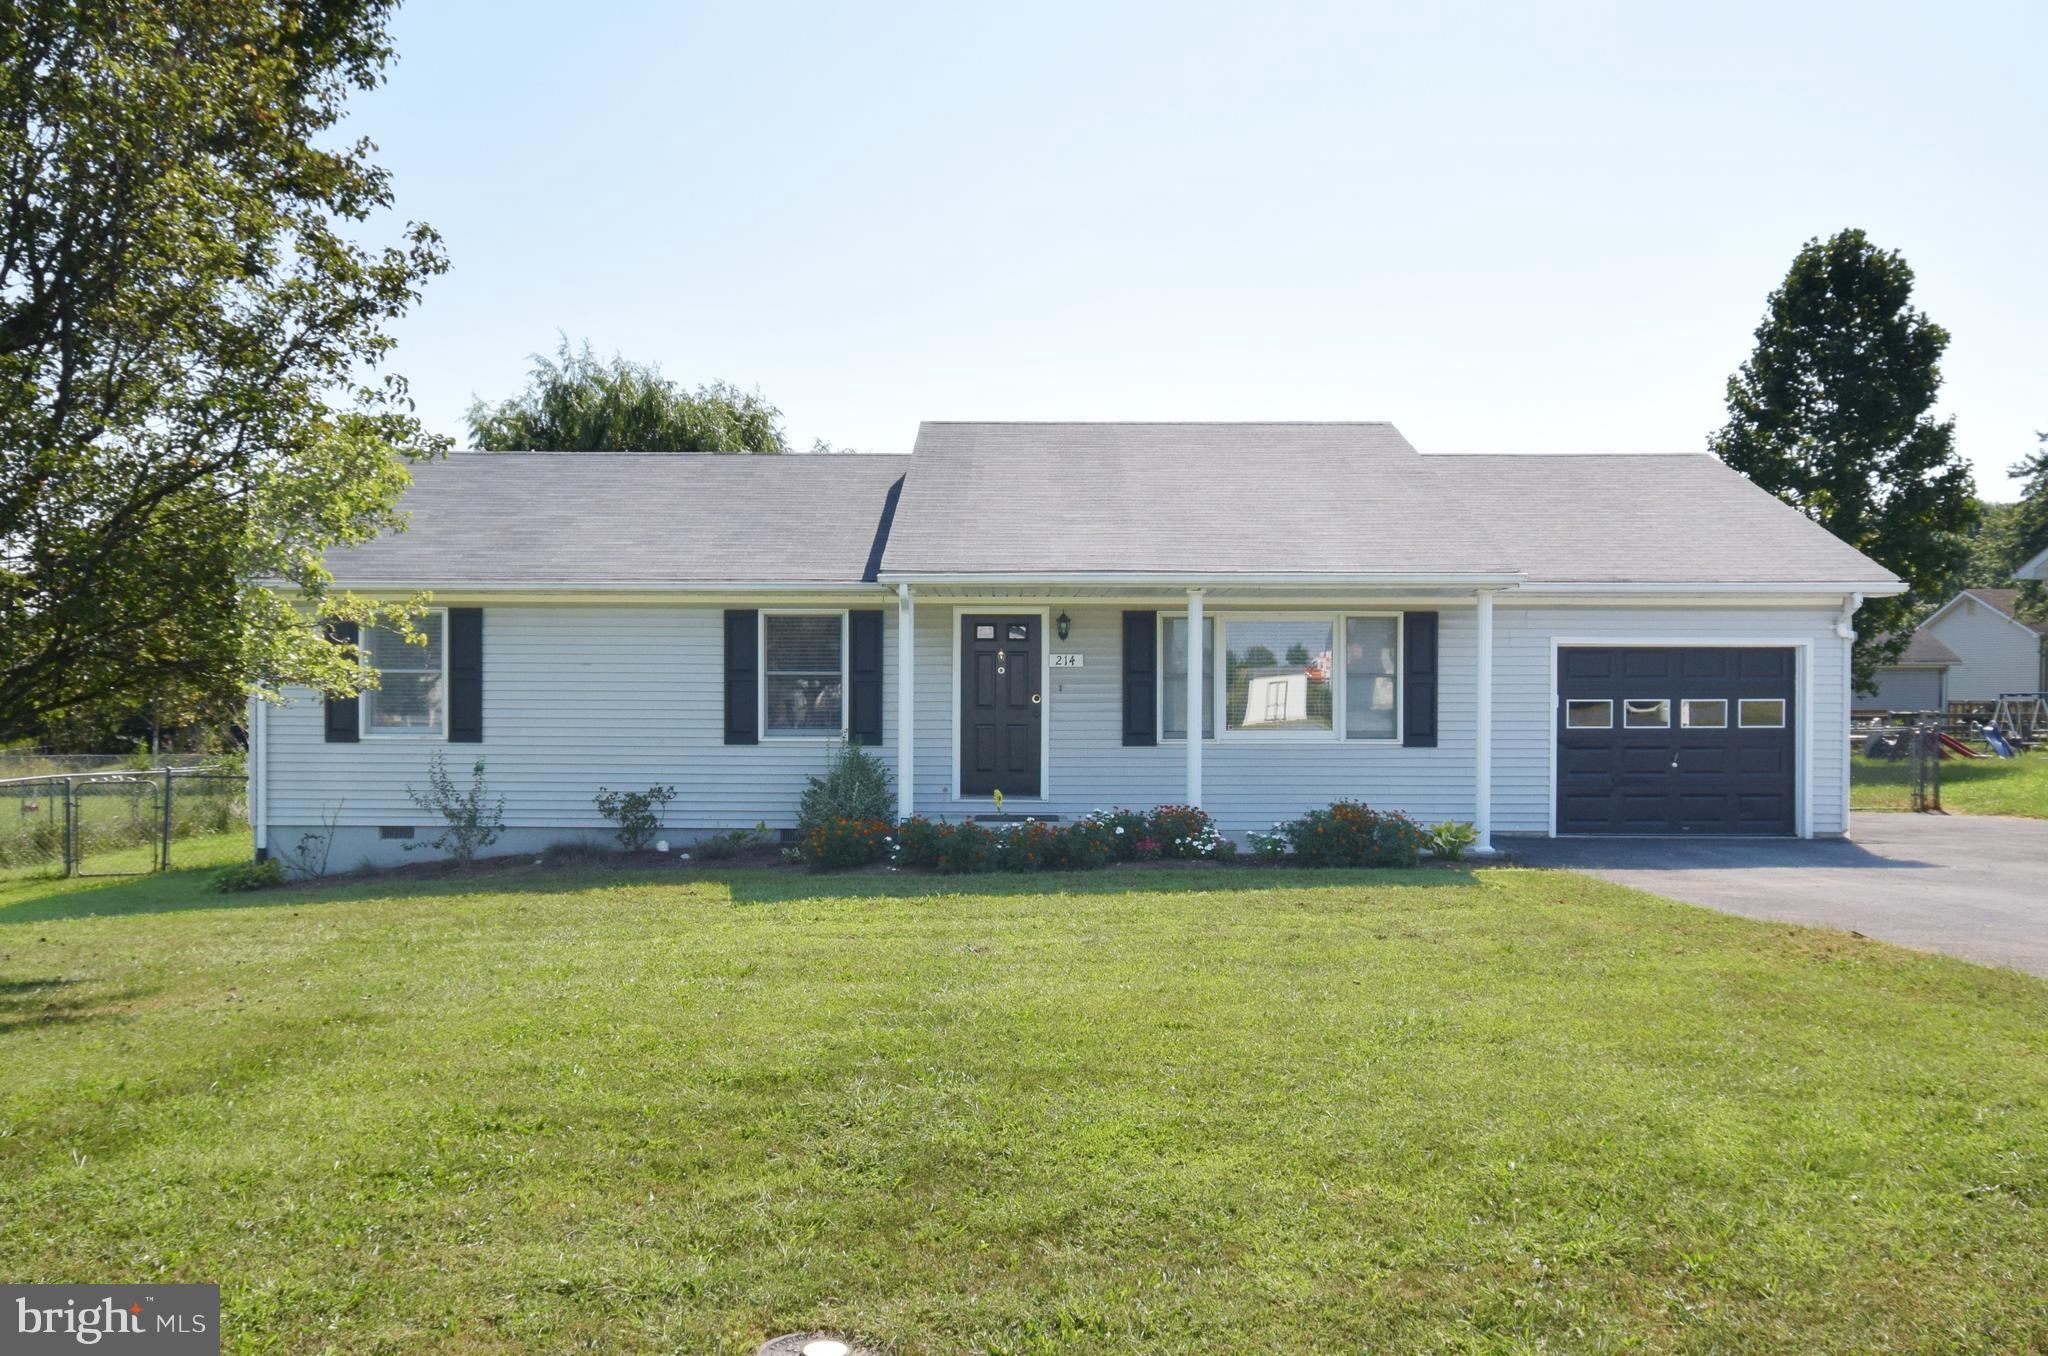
<point>578,402</point>
<point>191,335</point>
<point>2027,531</point>
<point>1831,415</point>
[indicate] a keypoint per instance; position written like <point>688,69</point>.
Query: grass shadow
<point>191,890</point>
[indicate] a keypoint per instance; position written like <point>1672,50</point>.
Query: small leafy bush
<point>639,814</point>
<point>1182,831</point>
<point>1450,839</point>
<point>1125,828</point>
<point>1269,848</point>
<point>857,785</point>
<point>953,849</point>
<point>473,822</point>
<point>723,847</point>
<point>263,875</point>
<point>1350,834</point>
<point>841,844</point>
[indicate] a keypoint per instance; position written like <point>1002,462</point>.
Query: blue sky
<point>1503,227</point>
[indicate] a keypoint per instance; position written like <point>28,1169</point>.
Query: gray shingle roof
<point>615,517</point>
<point>1044,500</point>
<point>1034,499</point>
<point>2007,601</point>
<point>1924,647</point>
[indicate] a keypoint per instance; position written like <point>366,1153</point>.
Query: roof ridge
<point>1159,423</point>
<point>620,452</point>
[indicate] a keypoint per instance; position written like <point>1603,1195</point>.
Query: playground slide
<point>1996,739</point>
<point>1951,745</point>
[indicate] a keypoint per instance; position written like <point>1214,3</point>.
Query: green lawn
<point>1215,1110</point>
<point>1981,786</point>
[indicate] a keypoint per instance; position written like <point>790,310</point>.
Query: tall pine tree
<point>1831,415</point>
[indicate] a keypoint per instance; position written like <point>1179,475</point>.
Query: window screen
<point>803,675</point>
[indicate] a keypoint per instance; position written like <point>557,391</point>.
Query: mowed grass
<point>1969,786</point>
<point>1216,1110</point>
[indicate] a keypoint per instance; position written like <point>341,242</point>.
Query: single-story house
<point>1916,681</point>
<point>1536,644</point>
<point>2037,568</point>
<point>1992,651</point>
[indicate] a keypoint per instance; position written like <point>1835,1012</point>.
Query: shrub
<point>935,845</point>
<point>857,785</point>
<point>840,844</point>
<point>1125,828</point>
<point>473,824</point>
<point>263,875</point>
<point>639,814</point>
<point>723,847</point>
<point>1183,831</point>
<point>1269,848</point>
<point>1350,834</point>
<point>1083,845</point>
<point>1449,839</point>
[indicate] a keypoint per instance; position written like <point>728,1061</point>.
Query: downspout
<point>1845,631</point>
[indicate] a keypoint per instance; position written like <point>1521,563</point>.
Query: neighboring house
<point>1916,681</point>
<point>1538,644</point>
<point>2037,568</point>
<point>1995,651</point>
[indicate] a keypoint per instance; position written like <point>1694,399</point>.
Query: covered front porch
<point>1067,695</point>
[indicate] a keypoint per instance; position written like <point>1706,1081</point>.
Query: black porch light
<point>1065,623</point>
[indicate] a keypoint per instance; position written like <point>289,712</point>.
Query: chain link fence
<point>118,823</point>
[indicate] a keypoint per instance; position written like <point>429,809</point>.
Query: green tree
<point>577,402</point>
<point>1830,413</point>
<point>2027,533</point>
<point>191,340</point>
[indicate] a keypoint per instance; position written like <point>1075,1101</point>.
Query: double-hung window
<point>411,696</point>
<point>1173,678</point>
<point>1287,676</point>
<point>803,674</point>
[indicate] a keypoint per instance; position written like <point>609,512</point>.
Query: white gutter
<point>1201,578</point>
<point>1834,587</point>
<point>584,586</point>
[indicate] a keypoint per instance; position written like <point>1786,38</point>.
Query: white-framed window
<point>1762,713</point>
<point>1173,676</point>
<point>803,674</point>
<point>1703,713</point>
<point>1588,713</point>
<point>1646,713</point>
<point>410,700</point>
<point>1287,676</point>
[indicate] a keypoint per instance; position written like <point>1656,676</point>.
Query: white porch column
<point>1482,738</point>
<point>1195,677</point>
<point>906,702</point>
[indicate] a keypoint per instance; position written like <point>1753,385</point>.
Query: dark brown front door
<point>1001,707</point>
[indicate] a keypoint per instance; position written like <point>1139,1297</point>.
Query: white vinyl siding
<point>574,697</point>
<point>1523,731</point>
<point>580,696</point>
<point>1997,655</point>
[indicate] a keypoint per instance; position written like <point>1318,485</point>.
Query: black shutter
<point>344,714</point>
<point>1141,679</point>
<point>742,676</point>
<point>465,675</point>
<point>1418,680</point>
<point>864,677</point>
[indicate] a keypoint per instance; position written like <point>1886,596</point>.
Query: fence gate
<point>117,824</point>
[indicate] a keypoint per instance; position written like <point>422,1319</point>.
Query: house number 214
<point>1066,661</point>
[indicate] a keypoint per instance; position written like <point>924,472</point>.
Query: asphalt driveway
<point>1970,886</point>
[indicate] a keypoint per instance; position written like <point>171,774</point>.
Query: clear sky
<point>1504,227</point>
